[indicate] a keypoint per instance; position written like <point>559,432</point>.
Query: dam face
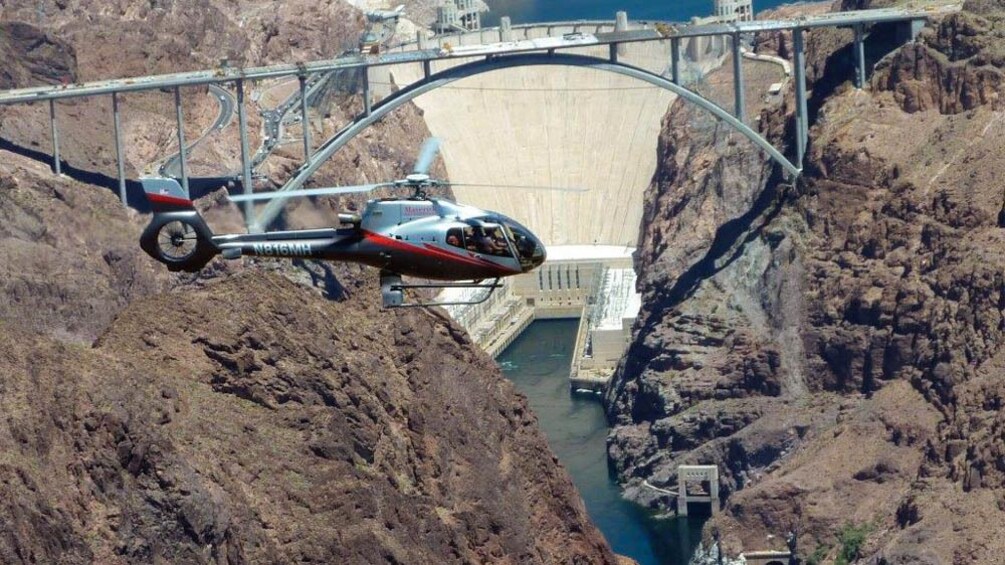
<point>552,126</point>
<point>563,127</point>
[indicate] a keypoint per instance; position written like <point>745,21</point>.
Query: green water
<point>538,363</point>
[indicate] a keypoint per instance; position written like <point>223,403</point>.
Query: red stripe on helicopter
<point>165,199</point>
<point>433,251</point>
<point>481,261</point>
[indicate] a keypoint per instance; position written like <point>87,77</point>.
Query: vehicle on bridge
<point>417,236</point>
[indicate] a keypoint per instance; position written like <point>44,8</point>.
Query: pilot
<point>452,240</point>
<point>489,243</point>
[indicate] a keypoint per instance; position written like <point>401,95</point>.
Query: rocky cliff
<point>834,345</point>
<point>262,412</point>
<point>257,421</point>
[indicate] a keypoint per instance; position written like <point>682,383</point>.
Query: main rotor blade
<point>426,155</point>
<point>521,186</point>
<point>309,192</point>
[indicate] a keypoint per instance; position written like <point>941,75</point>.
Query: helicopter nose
<point>537,257</point>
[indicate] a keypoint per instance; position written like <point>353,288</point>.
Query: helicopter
<point>415,236</point>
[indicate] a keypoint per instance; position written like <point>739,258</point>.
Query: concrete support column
<point>859,56</point>
<point>181,140</point>
<point>247,184</point>
<point>675,60</point>
<point>802,117</point>
<point>305,124</point>
<point>713,486</point>
<point>621,24</point>
<point>119,158</point>
<point>696,48</point>
<point>505,29</point>
<point>909,30</point>
<point>738,94</point>
<point>421,39</point>
<point>57,167</point>
<point>367,109</point>
<point>681,496</point>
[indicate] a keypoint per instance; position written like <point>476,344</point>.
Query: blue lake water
<point>538,364</point>
<point>524,11</point>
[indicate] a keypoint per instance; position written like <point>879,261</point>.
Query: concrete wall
<point>554,126</point>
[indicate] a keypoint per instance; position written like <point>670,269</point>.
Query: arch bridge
<point>505,51</point>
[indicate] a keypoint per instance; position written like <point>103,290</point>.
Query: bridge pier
<point>181,139</point>
<point>505,29</point>
<point>120,164</point>
<point>367,108</point>
<point>620,24</point>
<point>675,60</point>
<point>738,94</point>
<point>802,114</point>
<point>859,56</point>
<point>304,124</point>
<point>909,30</point>
<point>56,166</point>
<point>246,179</point>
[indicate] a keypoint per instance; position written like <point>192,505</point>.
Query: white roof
<point>617,299</point>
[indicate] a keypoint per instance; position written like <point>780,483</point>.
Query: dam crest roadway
<point>563,104</point>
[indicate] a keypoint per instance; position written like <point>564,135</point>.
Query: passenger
<point>485,244</point>
<point>469,239</point>
<point>452,240</point>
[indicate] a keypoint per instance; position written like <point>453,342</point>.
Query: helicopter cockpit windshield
<point>528,249</point>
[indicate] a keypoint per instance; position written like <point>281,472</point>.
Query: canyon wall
<point>834,344</point>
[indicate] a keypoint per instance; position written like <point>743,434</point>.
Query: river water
<point>538,364</point>
<point>525,11</point>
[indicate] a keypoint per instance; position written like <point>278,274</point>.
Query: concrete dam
<point>559,127</point>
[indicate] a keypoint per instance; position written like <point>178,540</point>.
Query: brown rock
<point>867,298</point>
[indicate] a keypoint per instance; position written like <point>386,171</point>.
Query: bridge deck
<point>222,75</point>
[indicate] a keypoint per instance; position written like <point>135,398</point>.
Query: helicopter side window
<point>455,237</point>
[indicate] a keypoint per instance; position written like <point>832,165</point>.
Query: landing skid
<point>392,290</point>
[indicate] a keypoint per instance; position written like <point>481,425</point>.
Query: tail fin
<point>166,195</point>
<point>177,236</point>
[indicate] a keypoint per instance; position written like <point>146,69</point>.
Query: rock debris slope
<point>835,346</point>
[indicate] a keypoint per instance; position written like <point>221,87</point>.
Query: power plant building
<point>459,16</point>
<point>727,11</point>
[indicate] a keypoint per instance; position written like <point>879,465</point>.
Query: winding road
<point>171,167</point>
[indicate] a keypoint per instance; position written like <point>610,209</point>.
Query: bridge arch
<point>495,63</point>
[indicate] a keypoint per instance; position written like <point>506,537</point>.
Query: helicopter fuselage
<point>427,238</point>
